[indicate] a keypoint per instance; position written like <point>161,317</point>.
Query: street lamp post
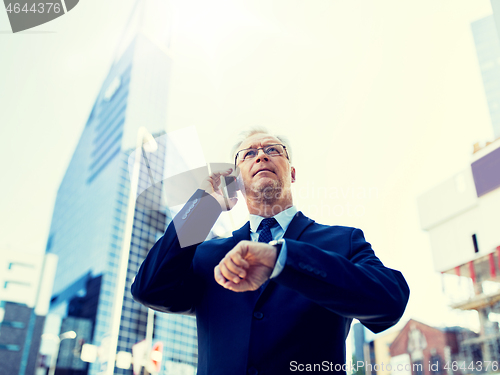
<point>146,140</point>
<point>58,339</point>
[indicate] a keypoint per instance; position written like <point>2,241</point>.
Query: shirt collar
<point>283,218</point>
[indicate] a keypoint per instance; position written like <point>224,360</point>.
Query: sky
<point>381,101</point>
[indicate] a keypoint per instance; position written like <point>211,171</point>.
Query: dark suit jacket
<point>303,315</point>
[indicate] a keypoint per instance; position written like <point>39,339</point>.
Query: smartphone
<point>229,186</point>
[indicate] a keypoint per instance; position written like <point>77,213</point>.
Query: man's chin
<point>267,189</point>
<point>264,184</point>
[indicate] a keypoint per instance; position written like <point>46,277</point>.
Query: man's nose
<point>259,156</point>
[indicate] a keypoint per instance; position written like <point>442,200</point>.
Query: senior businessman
<point>278,295</point>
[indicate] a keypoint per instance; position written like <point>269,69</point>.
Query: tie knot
<point>268,223</point>
<point>265,233</point>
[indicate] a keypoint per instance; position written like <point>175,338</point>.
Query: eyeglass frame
<point>261,148</point>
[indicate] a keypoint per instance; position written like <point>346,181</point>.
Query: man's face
<point>264,174</point>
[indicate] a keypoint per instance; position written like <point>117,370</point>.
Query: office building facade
<point>88,222</point>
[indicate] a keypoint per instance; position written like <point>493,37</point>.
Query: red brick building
<point>428,348</point>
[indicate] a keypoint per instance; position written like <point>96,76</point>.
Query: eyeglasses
<point>250,153</point>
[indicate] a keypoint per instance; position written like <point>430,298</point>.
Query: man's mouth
<point>263,170</point>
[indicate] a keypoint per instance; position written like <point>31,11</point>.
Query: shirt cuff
<point>280,263</point>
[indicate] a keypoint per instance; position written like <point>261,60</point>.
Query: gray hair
<point>260,130</point>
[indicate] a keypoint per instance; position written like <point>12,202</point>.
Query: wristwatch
<point>278,244</point>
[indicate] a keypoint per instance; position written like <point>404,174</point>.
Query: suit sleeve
<point>166,281</point>
<point>358,286</point>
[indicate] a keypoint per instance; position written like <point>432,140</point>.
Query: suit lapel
<point>242,234</point>
<point>298,224</point>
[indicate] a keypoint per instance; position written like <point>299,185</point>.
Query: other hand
<point>212,186</point>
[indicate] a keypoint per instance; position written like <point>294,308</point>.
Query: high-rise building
<point>88,222</point>
<point>487,44</point>
<point>358,334</point>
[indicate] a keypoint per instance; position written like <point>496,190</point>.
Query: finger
<point>233,267</point>
<point>216,175</point>
<point>228,274</point>
<point>240,287</point>
<point>215,181</point>
<point>238,260</point>
<point>218,276</point>
<point>212,182</point>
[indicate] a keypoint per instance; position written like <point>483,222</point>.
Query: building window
<point>12,348</point>
<point>19,264</point>
<point>49,243</point>
<point>474,241</point>
<point>20,325</point>
<point>7,283</point>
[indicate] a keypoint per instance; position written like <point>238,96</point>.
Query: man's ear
<point>293,174</point>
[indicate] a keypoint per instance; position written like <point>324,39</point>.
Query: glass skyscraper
<point>88,221</point>
<point>487,44</point>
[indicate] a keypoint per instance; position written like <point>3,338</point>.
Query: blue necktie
<point>266,236</point>
<point>265,233</point>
